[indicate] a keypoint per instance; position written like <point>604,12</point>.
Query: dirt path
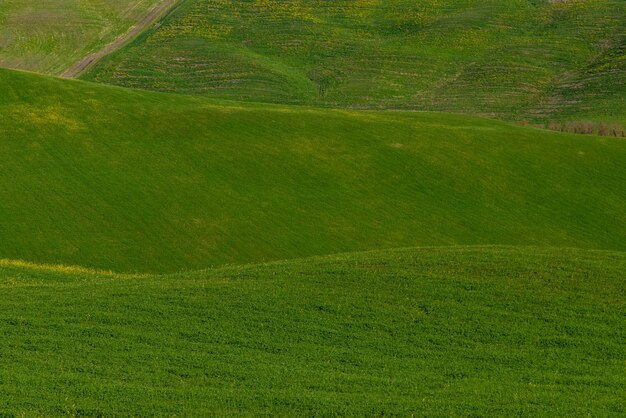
<point>159,11</point>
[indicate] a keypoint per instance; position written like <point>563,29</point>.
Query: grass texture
<point>49,36</point>
<point>514,59</point>
<point>438,332</point>
<point>133,181</point>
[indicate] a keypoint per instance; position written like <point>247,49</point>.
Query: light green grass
<point>125,180</point>
<point>435,332</point>
<point>515,59</point>
<point>49,36</point>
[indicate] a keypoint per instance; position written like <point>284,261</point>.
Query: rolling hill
<point>136,181</point>
<point>515,59</point>
<point>267,223</point>
<point>49,36</point>
<point>443,332</point>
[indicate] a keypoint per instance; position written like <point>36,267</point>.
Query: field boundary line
<point>159,11</point>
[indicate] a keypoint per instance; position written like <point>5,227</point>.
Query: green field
<point>300,209</point>
<point>136,181</point>
<point>49,36</point>
<point>514,59</point>
<point>436,332</point>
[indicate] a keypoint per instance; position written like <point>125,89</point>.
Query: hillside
<point>126,180</point>
<point>49,36</point>
<point>312,208</point>
<point>443,332</point>
<point>515,59</point>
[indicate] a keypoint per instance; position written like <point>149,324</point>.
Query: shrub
<point>588,128</point>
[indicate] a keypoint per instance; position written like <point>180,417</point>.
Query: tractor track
<point>157,12</point>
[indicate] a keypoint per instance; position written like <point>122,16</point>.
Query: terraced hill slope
<point>448,331</point>
<point>512,59</point>
<point>49,36</point>
<point>138,181</point>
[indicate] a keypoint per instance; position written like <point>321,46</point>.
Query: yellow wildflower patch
<point>55,115</point>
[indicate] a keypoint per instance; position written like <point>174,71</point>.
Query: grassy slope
<point>138,181</point>
<point>49,36</point>
<point>514,59</point>
<point>438,332</point>
<point>598,91</point>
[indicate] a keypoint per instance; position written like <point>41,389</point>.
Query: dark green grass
<point>136,181</point>
<point>436,332</point>
<point>514,59</point>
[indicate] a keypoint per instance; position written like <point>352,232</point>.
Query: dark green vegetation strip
<point>108,178</point>
<point>469,331</point>
<point>513,59</point>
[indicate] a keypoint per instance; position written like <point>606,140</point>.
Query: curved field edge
<point>437,331</point>
<point>115,179</point>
